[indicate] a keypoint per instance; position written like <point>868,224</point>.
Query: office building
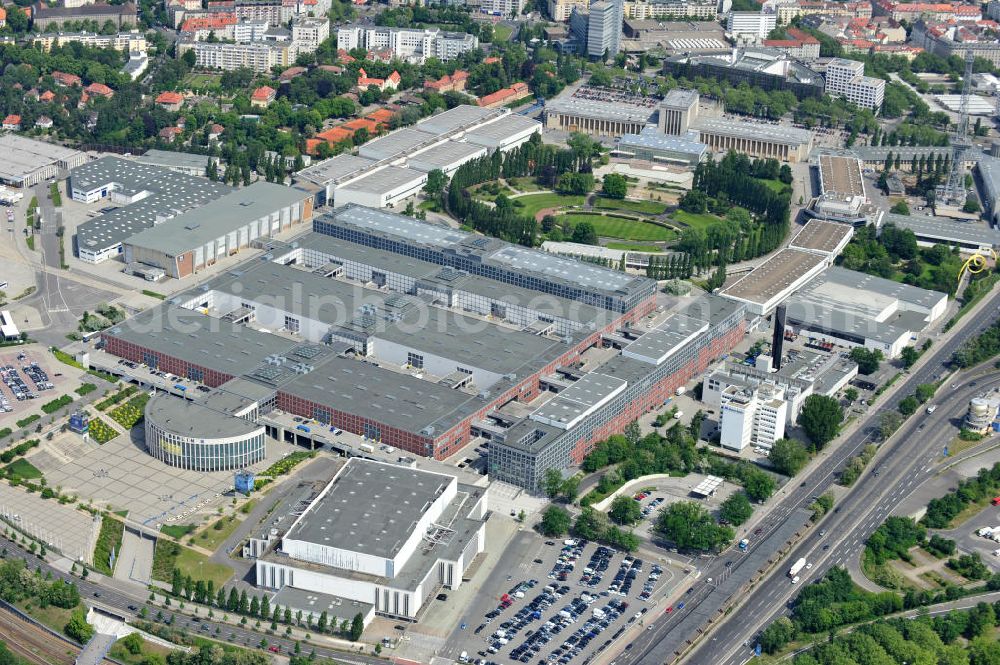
<point>650,145</point>
<point>842,195</point>
<point>751,27</point>
<point>604,29</point>
<point>758,68</point>
<point>123,16</point>
<point>846,78</point>
<point>752,416</point>
<point>600,112</point>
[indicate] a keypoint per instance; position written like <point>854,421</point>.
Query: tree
<point>908,405</point>
<point>570,488</point>
<point>900,208</point>
<point>78,628</point>
<point>851,395</point>
<point>788,456</point>
<point>867,359</point>
<point>189,58</point>
<point>924,392</point>
<point>590,524</point>
<point>971,204</point>
<point>777,635</point>
<point>585,233</point>
<point>132,643</point>
<point>758,485</point>
<point>436,182</point>
<point>909,356</point>
<point>357,627</point>
<point>552,482</point>
<point>820,417</point>
<point>889,422</point>
<point>736,509</point>
<point>614,186</point>
<point>625,510</point>
<point>555,521</point>
<point>690,527</point>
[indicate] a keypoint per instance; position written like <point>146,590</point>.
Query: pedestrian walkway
<point>135,558</point>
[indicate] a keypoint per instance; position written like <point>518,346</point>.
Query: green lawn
<point>168,555</point>
<point>530,204</point>
<point>775,185</point>
<point>211,537</point>
<point>648,207</point>
<point>177,530</point>
<point>501,33</point>
<point>22,468</point>
<point>202,80</point>
<point>525,184</point>
<point>616,227</point>
<point>695,220</point>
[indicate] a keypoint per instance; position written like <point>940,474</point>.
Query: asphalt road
<point>672,633</point>
<point>909,460</point>
<point>120,601</point>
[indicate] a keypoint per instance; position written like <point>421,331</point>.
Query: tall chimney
<point>778,338</point>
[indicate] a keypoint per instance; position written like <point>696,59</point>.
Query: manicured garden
<point>646,207</point>
<point>130,413</point>
<point>109,539</point>
<point>695,220</point>
<point>614,226</point>
<point>100,431</point>
<point>23,469</point>
<point>531,204</point>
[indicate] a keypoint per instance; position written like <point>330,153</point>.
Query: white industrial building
<point>850,308</point>
<point>8,329</point>
<point>380,534</point>
<point>393,167</point>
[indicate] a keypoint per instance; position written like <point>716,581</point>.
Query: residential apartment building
<point>414,45</point>
<point>560,10</point>
<point>645,9</point>
<point>799,45</point>
<point>502,7</point>
<point>846,78</point>
<point>275,12</point>
<point>131,41</point>
<point>948,39</point>
<point>308,33</point>
<point>258,56</point>
<point>43,16</point>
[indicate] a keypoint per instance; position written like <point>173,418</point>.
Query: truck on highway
<point>797,567</point>
<point>985,532</point>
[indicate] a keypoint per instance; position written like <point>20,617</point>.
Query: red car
<point>273,649</point>
<point>669,610</point>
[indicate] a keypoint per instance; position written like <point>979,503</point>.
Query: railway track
<point>32,643</point>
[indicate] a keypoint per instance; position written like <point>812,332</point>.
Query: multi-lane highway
<point>672,634</point>
<point>908,460</point>
<point>112,598</point>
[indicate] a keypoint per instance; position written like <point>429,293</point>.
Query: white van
<point>795,580</point>
<point>464,657</point>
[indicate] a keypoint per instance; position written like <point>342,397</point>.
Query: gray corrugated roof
<point>217,218</point>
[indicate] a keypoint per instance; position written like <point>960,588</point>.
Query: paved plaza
<point>64,528</point>
<point>122,476</point>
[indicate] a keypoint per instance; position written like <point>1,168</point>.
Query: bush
<point>941,511</point>
<point>940,547</point>
<point>287,463</point>
<point>893,539</point>
<point>78,628</point>
<point>56,404</point>
<point>689,526</point>
<point>24,422</point>
<point>111,400</point>
<point>969,566</point>
<point>130,413</point>
<point>856,466</point>
<point>736,509</point>
<point>85,389</point>
<point>109,538</point>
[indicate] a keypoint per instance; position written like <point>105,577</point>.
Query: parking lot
<point>27,380</point>
<point>575,600</point>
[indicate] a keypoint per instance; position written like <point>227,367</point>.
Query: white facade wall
<point>398,354</point>
<point>379,199</point>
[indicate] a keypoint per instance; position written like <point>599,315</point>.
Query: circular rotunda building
<point>197,437</point>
